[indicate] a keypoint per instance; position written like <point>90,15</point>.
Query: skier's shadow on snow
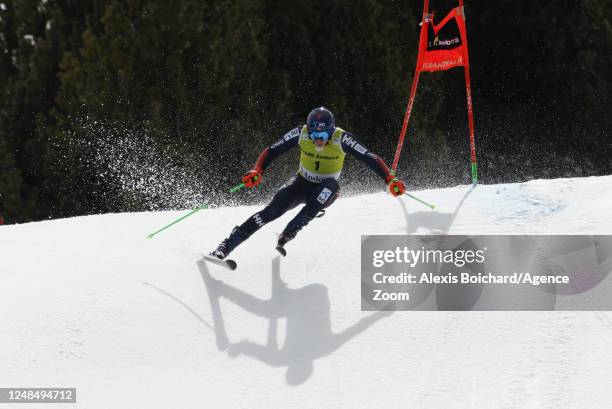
<point>436,222</point>
<point>309,334</point>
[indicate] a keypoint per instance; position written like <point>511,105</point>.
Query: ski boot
<point>282,240</point>
<point>293,228</point>
<point>226,246</point>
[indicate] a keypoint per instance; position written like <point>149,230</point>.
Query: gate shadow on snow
<point>436,222</point>
<point>309,334</point>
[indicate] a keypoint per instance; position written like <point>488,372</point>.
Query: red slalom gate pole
<point>468,92</point>
<point>415,82</point>
<point>400,143</point>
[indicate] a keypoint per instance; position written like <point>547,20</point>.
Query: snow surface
<point>88,302</point>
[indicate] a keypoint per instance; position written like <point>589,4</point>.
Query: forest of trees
<point>127,105</point>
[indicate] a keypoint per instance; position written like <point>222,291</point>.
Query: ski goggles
<point>319,136</point>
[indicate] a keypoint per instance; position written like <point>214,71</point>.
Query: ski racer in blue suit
<point>323,147</point>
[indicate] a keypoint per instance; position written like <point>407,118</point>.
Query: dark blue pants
<point>316,196</point>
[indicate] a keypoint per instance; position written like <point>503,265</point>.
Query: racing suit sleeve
<point>374,162</point>
<point>282,145</point>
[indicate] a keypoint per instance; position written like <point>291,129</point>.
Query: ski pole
<point>240,186</point>
<point>204,206</point>
<point>396,189</point>
<point>421,201</point>
<point>237,188</point>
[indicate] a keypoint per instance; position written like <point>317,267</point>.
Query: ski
<point>229,264</point>
<point>281,250</point>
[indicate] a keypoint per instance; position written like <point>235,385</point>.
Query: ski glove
<point>253,177</point>
<point>396,186</point>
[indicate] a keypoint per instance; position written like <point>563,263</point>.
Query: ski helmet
<point>320,122</point>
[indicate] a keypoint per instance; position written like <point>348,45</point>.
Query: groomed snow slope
<point>88,302</point>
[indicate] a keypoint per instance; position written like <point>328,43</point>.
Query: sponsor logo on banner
<point>442,65</point>
<point>446,42</point>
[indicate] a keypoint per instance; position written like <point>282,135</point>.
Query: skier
<point>323,146</point>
